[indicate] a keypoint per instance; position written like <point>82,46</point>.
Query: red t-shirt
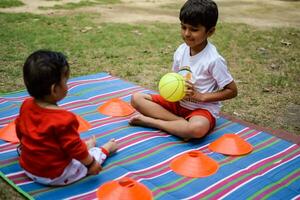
<point>49,139</point>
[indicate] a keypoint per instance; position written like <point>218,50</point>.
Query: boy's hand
<point>94,169</point>
<point>191,92</point>
<point>189,89</point>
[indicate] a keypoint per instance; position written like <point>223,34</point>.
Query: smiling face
<point>195,36</point>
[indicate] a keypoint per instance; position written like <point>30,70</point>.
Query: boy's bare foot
<point>90,143</point>
<point>140,120</point>
<point>111,146</point>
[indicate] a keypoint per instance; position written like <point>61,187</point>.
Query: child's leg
<point>195,127</point>
<point>76,170</point>
<point>156,116</point>
<point>111,146</point>
<point>144,104</point>
<point>91,142</point>
<point>100,154</point>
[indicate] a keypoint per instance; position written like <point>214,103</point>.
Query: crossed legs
<point>156,116</point>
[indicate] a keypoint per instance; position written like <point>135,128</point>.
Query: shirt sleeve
<point>70,140</point>
<point>175,66</point>
<point>176,58</point>
<point>221,73</point>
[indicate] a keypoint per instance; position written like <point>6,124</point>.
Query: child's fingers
<point>189,84</point>
<point>189,88</point>
<point>189,92</point>
<point>95,169</point>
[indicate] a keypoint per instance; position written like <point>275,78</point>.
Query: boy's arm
<point>228,92</point>
<point>72,144</point>
<point>18,132</point>
<point>92,165</point>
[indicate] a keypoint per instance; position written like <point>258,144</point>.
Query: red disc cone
<point>83,124</point>
<point>116,108</point>
<point>194,164</point>
<point>231,144</point>
<point>8,133</point>
<point>124,188</point>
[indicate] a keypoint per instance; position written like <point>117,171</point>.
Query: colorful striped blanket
<point>270,171</point>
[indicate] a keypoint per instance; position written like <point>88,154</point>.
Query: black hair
<point>199,12</point>
<point>41,70</point>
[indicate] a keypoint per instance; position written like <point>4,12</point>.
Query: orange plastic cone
<point>116,108</point>
<point>194,164</point>
<point>83,124</point>
<point>124,188</point>
<point>231,144</point>
<point>8,133</point>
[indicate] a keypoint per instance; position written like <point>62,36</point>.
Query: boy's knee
<point>198,130</point>
<point>136,98</point>
<point>133,98</point>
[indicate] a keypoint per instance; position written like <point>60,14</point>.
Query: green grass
<point>102,48</point>
<point>10,3</point>
<point>265,68</point>
<point>82,3</point>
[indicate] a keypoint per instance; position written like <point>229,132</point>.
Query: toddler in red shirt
<point>51,151</point>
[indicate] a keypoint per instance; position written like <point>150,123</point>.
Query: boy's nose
<point>187,32</point>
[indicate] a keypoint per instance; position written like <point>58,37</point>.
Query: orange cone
<point>83,124</point>
<point>8,133</point>
<point>231,144</point>
<point>124,188</point>
<point>116,108</point>
<point>194,164</point>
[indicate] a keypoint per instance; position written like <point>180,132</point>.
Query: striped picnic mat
<point>271,171</point>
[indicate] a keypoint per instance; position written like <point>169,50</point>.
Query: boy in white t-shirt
<point>210,82</point>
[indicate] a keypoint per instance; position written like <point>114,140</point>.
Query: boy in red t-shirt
<point>52,152</point>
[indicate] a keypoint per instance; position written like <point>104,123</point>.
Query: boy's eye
<point>192,29</point>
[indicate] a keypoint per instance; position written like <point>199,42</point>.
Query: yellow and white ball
<point>172,87</point>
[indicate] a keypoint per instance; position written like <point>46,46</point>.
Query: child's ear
<point>54,90</point>
<point>211,31</point>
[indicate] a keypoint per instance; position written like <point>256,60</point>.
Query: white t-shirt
<point>209,74</point>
